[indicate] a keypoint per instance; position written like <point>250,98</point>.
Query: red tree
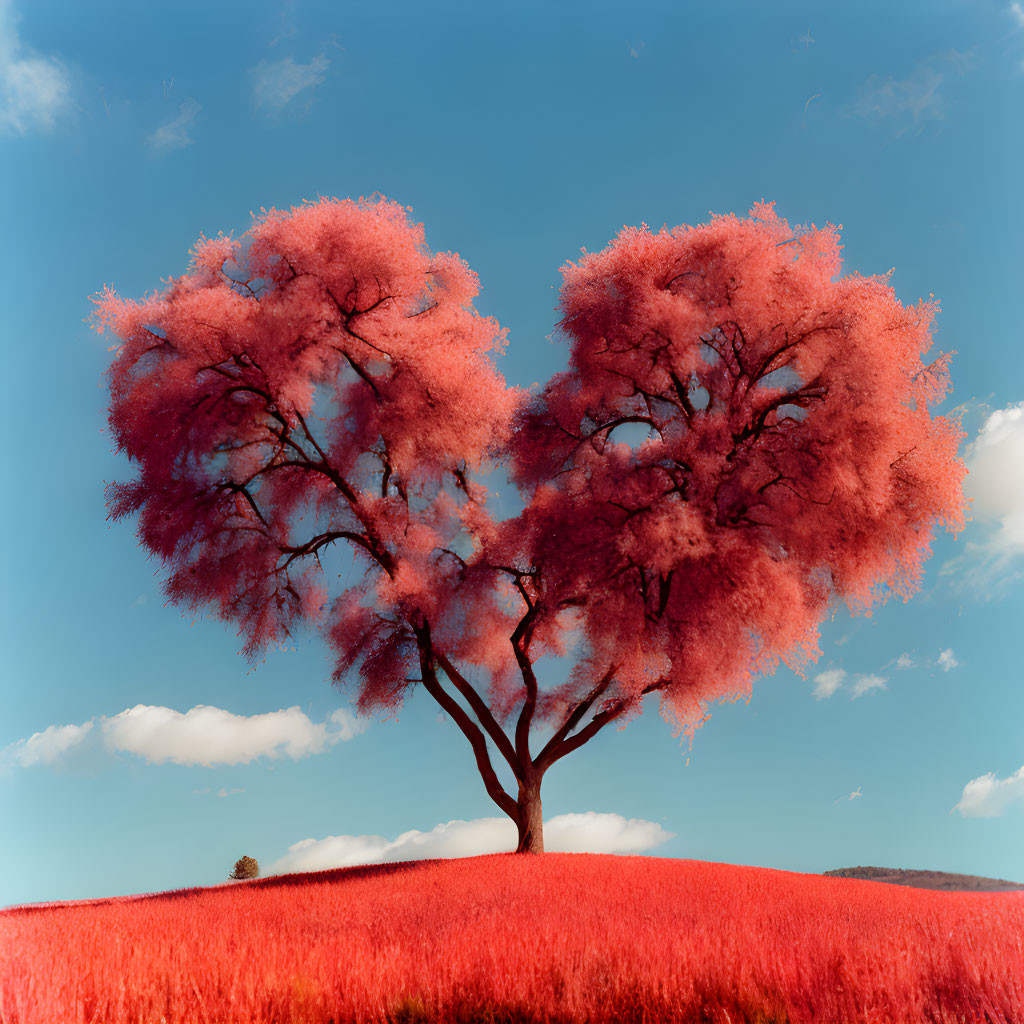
<point>326,380</point>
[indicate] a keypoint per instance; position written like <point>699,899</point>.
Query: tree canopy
<point>326,380</point>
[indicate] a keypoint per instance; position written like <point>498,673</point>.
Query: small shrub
<point>246,867</point>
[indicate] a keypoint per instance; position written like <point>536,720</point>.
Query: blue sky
<point>518,133</point>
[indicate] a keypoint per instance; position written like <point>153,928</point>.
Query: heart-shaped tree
<point>325,380</point>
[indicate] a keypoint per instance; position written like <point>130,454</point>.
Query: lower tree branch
<point>465,723</point>
<point>482,712</point>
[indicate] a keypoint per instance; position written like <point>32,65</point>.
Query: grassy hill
<point>517,939</point>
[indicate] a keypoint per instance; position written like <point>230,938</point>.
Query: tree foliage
<point>245,867</point>
<point>326,380</point>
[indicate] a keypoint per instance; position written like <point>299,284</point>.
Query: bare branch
<point>465,723</point>
<point>482,712</point>
<point>546,757</point>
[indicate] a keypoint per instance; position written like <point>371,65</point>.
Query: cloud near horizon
<point>988,796</point>
<point>34,90</point>
<point>587,832</point>
<point>204,736</point>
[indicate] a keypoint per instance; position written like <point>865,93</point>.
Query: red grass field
<point>561,937</point>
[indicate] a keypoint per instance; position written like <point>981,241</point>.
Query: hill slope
<point>559,938</point>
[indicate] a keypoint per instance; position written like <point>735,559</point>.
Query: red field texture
<point>559,937</point>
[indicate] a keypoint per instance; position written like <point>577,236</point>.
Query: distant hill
<point>927,879</point>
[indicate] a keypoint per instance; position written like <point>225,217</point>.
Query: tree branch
<point>597,723</point>
<point>520,640</point>
<point>465,723</point>
<point>482,712</point>
<point>546,757</point>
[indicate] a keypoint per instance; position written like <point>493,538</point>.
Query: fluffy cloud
<point>826,683</point>
<point>33,89</point>
<point>47,746</point>
<point>589,832</point>
<point>904,661</point>
<point>866,683</point>
<point>203,736</point>
<point>279,83</point>
<point>174,134</point>
<point>987,796</point>
<point>995,479</point>
<point>994,560</point>
<point>947,660</point>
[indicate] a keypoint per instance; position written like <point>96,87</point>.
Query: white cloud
<point>850,796</point>
<point>904,661</point>
<point>174,134</point>
<point>865,684</point>
<point>202,736</point>
<point>277,84</point>
<point>208,735</point>
<point>947,660</point>
<point>46,747</point>
<point>828,682</point>
<point>34,90</point>
<point>995,479</point>
<point>589,832</point>
<point>987,796</point>
<point>228,792</point>
<point>1018,12</point>
<point>918,95</point>
<point>993,562</point>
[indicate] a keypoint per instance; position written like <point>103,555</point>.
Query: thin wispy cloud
<point>1017,12</point>
<point>174,134</point>
<point>947,660</point>
<point>205,736</point>
<point>849,796</point>
<point>904,661</point>
<point>34,88</point>
<point>277,84</point>
<point>867,683</point>
<point>919,98</point>
<point>988,796</point>
<point>588,832</point>
<point>827,682</point>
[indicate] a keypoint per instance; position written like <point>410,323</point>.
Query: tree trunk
<point>530,823</point>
